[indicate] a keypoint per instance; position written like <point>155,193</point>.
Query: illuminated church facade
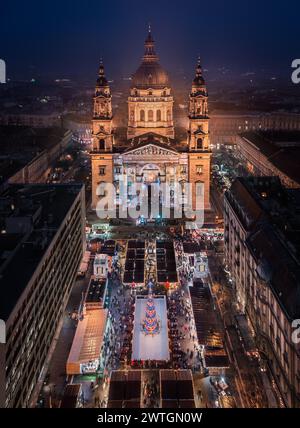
<point>151,153</point>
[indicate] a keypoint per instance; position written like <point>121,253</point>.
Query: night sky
<point>63,38</point>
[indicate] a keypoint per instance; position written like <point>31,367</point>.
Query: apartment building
<point>262,251</point>
<point>41,246</point>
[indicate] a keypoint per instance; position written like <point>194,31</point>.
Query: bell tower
<point>198,136</point>
<point>102,115</point>
<point>102,136</point>
<point>198,113</point>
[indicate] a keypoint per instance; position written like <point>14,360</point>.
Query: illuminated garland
<point>150,323</point>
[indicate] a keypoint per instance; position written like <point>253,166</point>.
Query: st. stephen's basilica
<point>151,153</point>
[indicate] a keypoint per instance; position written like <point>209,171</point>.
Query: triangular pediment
<point>151,149</point>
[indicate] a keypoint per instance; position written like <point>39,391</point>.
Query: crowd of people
<point>184,345</point>
<point>117,345</point>
<point>185,270</point>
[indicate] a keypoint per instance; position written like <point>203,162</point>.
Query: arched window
<point>169,116</point>
<point>150,115</point>
<point>158,115</point>
<point>142,115</point>
<point>199,144</point>
<point>102,144</point>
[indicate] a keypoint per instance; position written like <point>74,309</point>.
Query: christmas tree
<point>150,323</point>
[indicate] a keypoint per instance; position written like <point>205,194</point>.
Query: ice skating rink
<point>148,347</point>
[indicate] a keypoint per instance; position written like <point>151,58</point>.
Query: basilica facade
<point>151,153</point>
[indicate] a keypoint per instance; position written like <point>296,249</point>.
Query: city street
<point>243,373</point>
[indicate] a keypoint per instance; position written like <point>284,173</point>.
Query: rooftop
<point>30,216</point>
<point>278,268</point>
<point>177,389</point>
<point>19,136</point>
<point>281,148</point>
<point>88,340</point>
<point>247,196</point>
<point>125,389</point>
<point>270,214</point>
<point>150,74</point>
<point>95,291</point>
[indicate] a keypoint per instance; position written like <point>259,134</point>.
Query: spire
<point>199,68</point>
<point>101,68</point>
<point>198,80</point>
<point>101,81</point>
<point>149,54</point>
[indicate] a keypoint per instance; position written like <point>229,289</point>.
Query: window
<point>183,169</point>
<point>142,115</point>
<point>118,170</point>
<point>199,144</point>
<point>102,144</point>
<point>199,169</point>
<point>150,115</point>
<point>101,170</point>
<point>158,115</point>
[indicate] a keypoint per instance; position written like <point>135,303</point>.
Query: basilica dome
<point>150,73</point>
